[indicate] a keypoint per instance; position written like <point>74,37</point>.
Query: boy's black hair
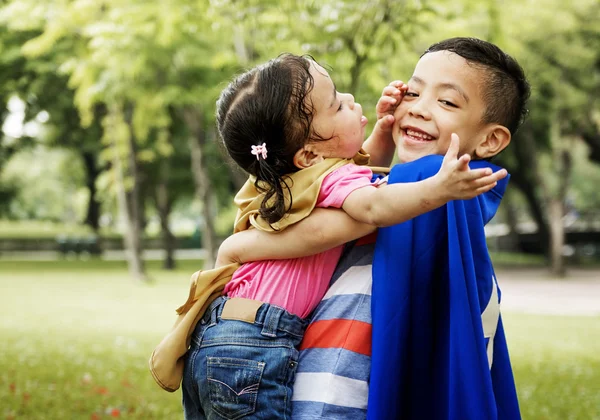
<point>269,104</point>
<point>506,89</point>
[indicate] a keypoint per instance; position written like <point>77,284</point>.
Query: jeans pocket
<point>233,385</point>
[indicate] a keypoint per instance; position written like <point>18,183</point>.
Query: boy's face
<point>444,96</point>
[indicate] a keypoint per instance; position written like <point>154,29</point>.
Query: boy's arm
<point>322,230</point>
<point>380,144</point>
<point>398,203</point>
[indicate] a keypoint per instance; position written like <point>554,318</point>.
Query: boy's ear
<point>496,140</point>
<point>307,156</point>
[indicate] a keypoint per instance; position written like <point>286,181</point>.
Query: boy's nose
<point>418,109</point>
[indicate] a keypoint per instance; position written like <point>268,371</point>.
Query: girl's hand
<point>380,144</point>
<point>456,181</point>
<point>391,96</point>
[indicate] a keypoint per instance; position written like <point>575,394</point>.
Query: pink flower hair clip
<point>260,150</point>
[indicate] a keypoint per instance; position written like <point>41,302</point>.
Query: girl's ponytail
<point>277,200</point>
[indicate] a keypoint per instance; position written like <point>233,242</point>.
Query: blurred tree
<point>144,76</point>
<point>38,83</point>
<point>562,64</point>
<point>12,67</point>
<point>41,186</point>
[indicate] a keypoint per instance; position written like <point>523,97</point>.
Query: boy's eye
<point>340,107</point>
<point>448,103</point>
<point>411,94</point>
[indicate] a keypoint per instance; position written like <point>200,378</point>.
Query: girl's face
<point>336,117</point>
<point>444,96</point>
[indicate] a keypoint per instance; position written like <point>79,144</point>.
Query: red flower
<point>115,412</point>
<point>101,390</point>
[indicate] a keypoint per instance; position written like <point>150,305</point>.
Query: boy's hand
<point>391,96</point>
<point>457,182</point>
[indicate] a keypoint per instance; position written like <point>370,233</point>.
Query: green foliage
<point>42,179</point>
<point>95,67</point>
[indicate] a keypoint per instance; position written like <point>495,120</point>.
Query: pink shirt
<point>299,284</point>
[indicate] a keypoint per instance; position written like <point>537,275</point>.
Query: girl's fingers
<point>485,176</point>
<point>501,174</point>
<point>487,179</point>
<point>385,103</point>
<point>463,162</point>
<point>385,123</point>
<point>452,152</point>
<point>391,91</point>
<point>397,83</point>
<point>485,188</point>
<point>479,175</point>
<point>388,100</point>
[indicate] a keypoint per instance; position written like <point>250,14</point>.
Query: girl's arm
<point>322,230</point>
<point>391,204</point>
<point>397,203</point>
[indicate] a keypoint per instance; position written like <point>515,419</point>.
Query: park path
<point>535,291</point>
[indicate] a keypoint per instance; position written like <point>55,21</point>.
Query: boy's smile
<point>444,96</point>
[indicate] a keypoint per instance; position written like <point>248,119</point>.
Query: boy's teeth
<point>418,134</point>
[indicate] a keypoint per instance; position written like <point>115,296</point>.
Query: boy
<point>429,352</point>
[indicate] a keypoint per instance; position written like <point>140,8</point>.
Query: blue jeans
<point>236,369</point>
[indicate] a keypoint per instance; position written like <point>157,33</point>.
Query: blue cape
<point>436,321</point>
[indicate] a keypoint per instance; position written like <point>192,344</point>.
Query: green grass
<point>45,229</point>
<point>516,259</point>
<point>76,337</point>
<point>39,229</point>
<point>556,362</point>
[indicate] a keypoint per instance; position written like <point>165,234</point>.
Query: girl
<point>286,125</point>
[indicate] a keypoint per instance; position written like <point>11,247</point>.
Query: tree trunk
<point>525,174</point>
<point>555,195</point>
<point>163,205</point>
<point>129,203</point>
<point>557,237</point>
<point>359,60</point>
<point>197,140</point>
<point>536,207</point>
<point>92,218</point>
<point>512,222</point>
<point>557,201</point>
<point>592,139</point>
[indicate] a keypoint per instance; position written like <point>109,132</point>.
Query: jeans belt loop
<point>214,310</point>
<point>271,321</point>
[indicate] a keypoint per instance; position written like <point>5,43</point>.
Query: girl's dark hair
<point>506,89</point>
<point>268,104</point>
